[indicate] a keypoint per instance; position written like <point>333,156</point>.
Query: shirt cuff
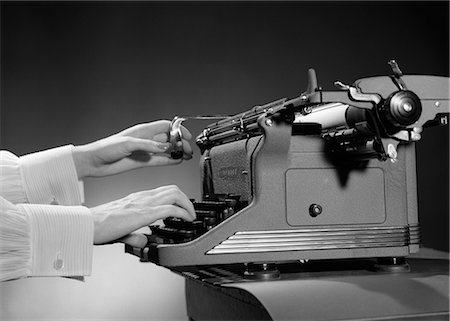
<point>61,240</point>
<point>50,177</point>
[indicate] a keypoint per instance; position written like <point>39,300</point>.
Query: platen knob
<point>401,109</point>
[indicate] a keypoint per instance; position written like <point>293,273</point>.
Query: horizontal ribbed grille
<point>317,239</point>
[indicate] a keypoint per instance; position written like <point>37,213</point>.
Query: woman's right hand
<point>138,146</point>
<point>116,220</point>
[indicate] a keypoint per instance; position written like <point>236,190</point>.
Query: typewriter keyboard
<point>212,210</point>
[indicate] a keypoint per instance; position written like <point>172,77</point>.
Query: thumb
<point>134,239</point>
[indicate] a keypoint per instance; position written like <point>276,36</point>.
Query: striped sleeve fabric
<point>61,239</point>
<point>11,185</point>
<point>15,242</point>
<point>50,177</point>
<point>44,240</point>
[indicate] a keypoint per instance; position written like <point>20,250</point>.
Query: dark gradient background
<point>75,72</point>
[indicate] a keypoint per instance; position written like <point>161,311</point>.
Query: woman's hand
<point>114,221</point>
<point>138,146</point>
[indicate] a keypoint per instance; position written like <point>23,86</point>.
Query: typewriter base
<point>338,294</point>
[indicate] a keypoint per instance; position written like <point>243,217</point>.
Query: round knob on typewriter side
<point>401,109</point>
<point>315,210</point>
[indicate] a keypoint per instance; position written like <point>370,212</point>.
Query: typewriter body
<point>326,175</point>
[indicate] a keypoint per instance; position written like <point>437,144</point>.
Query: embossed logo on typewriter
<point>231,172</point>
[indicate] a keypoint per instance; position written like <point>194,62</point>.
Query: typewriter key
<point>209,222</point>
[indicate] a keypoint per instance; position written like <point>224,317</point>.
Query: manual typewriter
<point>326,175</point>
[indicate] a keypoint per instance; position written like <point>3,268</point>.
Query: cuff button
<point>58,264</point>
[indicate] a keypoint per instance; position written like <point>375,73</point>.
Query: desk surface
<point>422,294</point>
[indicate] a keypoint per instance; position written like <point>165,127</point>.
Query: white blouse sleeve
<point>45,240</point>
<point>47,177</point>
<point>11,184</point>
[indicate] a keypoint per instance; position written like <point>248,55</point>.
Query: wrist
<point>113,221</point>
<point>81,161</point>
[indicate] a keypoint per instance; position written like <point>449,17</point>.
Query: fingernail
<point>163,146</point>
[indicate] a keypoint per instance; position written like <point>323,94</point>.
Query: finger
<point>132,144</point>
<point>134,239</point>
<point>161,137</point>
<point>156,193</point>
<point>175,196</point>
<point>160,189</point>
<point>185,133</point>
<point>147,130</point>
<point>162,159</point>
<point>151,192</point>
<point>187,149</point>
<point>163,211</point>
<point>164,136</point>
<point>151,129</point>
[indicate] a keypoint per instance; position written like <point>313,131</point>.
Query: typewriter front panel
<point>316,196</point>
<point>367,192</point>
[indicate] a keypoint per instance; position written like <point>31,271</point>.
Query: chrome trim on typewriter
<point>317,239</point>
